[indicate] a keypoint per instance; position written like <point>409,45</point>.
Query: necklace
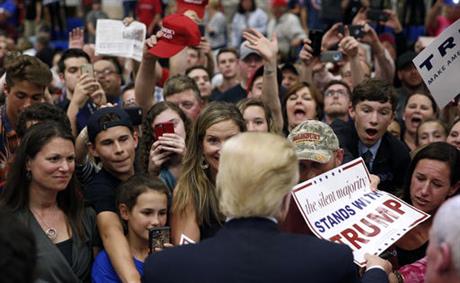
<point>50,232</point>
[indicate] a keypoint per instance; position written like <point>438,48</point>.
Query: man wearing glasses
<point>337,101</point>
<point>108,73</point>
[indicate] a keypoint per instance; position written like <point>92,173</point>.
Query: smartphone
<point>377,15</point>
<point>202,29</point>
<point>316,36</point>
<point>331,56</point>
<point>135,114</point>
<point>158,236</point>
<point>164,128</point>
<point>357,31</point>
<point>87,69</point>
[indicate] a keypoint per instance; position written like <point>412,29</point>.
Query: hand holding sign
<point>340,206</point>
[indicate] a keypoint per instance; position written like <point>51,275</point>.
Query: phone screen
<point>331,56</point>
<point>316,36</point>
<point>87,69</point>
<point>158,236</point>
<point>163,128</point>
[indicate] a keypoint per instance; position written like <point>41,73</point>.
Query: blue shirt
<point>103,271</point>
<point>373,149</point>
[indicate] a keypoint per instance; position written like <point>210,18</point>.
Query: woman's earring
<point>28,175</point>
<point>203,164</point>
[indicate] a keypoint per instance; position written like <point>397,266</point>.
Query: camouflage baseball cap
<point>314,140</point>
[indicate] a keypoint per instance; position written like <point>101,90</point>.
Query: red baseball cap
<point>279,3</point>
<point>194,5</point>
<point>178,31</point>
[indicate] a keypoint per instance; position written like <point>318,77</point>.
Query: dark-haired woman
<point>434,176</point>
<point>40,190</point>
<point>162,155</point>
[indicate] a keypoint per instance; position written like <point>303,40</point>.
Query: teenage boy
<point>228,64</point>
<point>373,107</point>
<point>112,140</point>
<point>25,82</point>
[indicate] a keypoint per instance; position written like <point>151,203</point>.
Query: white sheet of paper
<point>115,39</point>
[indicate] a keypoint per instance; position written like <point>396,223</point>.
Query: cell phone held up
<point>164,128</point>
<point>377,15</point>
<point>87,69</point>
<point>316,36</point>
<point>357,31</point>
<point>331,56</point>
<point>158,236</point>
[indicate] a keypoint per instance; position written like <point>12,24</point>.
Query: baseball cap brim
<point>319,155</point>
<point>199,10</point>
<point>165,49</point>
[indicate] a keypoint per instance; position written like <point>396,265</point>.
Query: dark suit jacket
<point>390,163</point>
<point>254,250</point>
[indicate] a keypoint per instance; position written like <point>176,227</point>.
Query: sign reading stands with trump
<point>340,206</point>
<point>439,65</point>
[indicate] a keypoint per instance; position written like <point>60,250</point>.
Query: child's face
<point>150,211</point>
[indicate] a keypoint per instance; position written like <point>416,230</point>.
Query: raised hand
<point>350,46</point>
<point>306,53</point>
<point>268,49</point>
<point>393,21</point>
<point>98,96</point>
<point>332,36</point>
<point>77,38</point>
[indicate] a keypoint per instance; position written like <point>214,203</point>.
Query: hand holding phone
<point>159,237</point>
<point>163,128</point>
<point>87,69</point>
<point>357,31</point>
<point>331,56</point>
<point>316,37</point>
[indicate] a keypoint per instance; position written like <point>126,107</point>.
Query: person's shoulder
<point>158,265</point>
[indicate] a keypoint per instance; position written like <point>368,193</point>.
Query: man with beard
<point>337,101</point>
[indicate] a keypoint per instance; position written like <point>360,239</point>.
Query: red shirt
<point>147,9</point>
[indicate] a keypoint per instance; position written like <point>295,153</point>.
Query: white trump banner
<point>340,206</point>
<point>439,65</point>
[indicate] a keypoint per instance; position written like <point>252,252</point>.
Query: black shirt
<point>233,95</point>
<point>101,192</point>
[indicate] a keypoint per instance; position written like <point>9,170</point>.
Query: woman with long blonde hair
<point>195,211</point>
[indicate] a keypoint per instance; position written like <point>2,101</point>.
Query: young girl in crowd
<point>142,204</point>
<point>162,156</point>
<point>257,116</point>
<point>431,130</point>
<point>454,134</point>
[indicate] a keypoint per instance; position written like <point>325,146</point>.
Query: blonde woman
<point>195,212</point>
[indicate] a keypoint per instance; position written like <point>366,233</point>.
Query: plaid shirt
<point>8,144</point>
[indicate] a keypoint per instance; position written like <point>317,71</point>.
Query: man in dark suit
<point>254,188</point>
<point>373,106</point>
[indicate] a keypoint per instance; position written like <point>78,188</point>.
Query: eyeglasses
<point>339,92</point>
<point>105,72</point>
